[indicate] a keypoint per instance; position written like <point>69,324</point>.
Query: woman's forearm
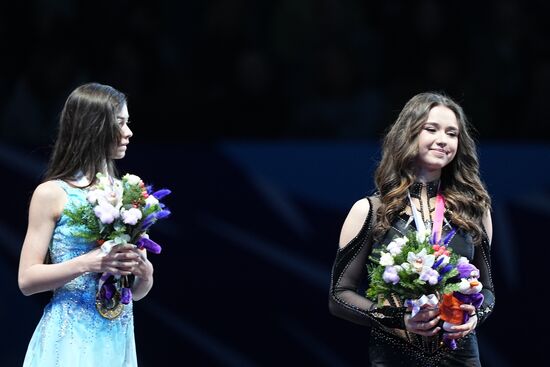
<point>46,277</point>
<point>141,287</point>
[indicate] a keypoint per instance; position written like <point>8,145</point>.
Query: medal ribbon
<point>438,218</point>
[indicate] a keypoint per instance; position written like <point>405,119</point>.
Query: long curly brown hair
<point>465,195</point>
<point>88,133</point>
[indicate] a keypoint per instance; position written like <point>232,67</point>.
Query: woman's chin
<point>120,153</point>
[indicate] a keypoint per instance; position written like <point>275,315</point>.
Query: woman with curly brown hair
<point>427,152</point>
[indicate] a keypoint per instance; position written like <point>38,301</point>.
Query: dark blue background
<point>244,273</point>
<point>264,118</point>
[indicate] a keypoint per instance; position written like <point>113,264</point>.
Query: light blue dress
<point>71,331</point>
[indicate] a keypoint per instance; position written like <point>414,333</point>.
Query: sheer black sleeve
<point>348,273</point>
<point>482,260</point>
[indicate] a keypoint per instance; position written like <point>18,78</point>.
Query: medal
<point>108,299</point>
<point>109,308</point>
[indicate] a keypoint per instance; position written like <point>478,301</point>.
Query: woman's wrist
<point>146,275</point>
<point>81,265</point>
<point>393,317</point>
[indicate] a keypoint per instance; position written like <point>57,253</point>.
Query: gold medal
<point>110,309</point>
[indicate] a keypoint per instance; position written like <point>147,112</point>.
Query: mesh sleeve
<point>348,273</point>
<point>482,260</point>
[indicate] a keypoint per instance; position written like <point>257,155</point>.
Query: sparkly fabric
<point>431,189</point>
<point>385,350</point>
<point>390,344</point>
<point>71,332</point>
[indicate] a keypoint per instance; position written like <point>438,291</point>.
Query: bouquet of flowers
<point>418,271</point>
<point>118,212</point>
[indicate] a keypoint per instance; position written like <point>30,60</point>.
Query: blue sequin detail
<point>71,332</point>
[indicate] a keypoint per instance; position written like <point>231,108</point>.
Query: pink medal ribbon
<point>438,218</point>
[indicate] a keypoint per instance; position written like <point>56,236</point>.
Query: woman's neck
<point>420,189</point>
<point>426,176</point>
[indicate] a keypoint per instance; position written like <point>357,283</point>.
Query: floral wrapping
<point>118,212</point>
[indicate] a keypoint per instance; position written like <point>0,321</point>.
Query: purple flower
<point>149,245</point>
<point>108,290</point>
<point>126,295</point>
<point>390,275</point>
<point>162,214</point>
<point>161,193</point>
<point>148,221</point>
<point>447,268</point>
<point>449,236</point>
<point>432,239</point>
<point>438,262</point>
<point>153,217</point>
<point>429,275</point>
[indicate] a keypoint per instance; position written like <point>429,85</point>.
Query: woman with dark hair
<point>427,152</point>
<point>93,132</point>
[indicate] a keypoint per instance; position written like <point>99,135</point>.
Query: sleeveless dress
<point>71,332</point>
<point>389,344</point>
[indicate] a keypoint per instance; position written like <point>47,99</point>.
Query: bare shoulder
<point>488,224</point>
<point>354,221</point>
<point>49,196</point>
<point>48,191</point>
<point>361,207</point>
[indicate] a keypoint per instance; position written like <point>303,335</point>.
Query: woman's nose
<point>127,132</point>
<point>441,139</point>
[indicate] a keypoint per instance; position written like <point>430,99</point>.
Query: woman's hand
<point>460,331</point>
<point>143,268</point>
<point>121,260</point>
<point>144,275</point>
<point>424,322</point>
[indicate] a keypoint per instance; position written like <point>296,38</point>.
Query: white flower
<point>422,236</point>
<point>386,259</point>
<point>151,200</point>
<point>130,216</point>
<point>94,195</point>
<point>103,181</point>
<point>420,260</point>
<point>114,198</point>
<point>429,275</point>
<point>401,241</point>
<point>105,191</point>
<point>395,247</point>
<point>105,212</point>
<point>131,179</point>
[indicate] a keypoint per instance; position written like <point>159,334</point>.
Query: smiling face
<point>123,119</point>
<point>437,141</point>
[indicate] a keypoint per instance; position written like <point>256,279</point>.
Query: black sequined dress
<point>389,343</point>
